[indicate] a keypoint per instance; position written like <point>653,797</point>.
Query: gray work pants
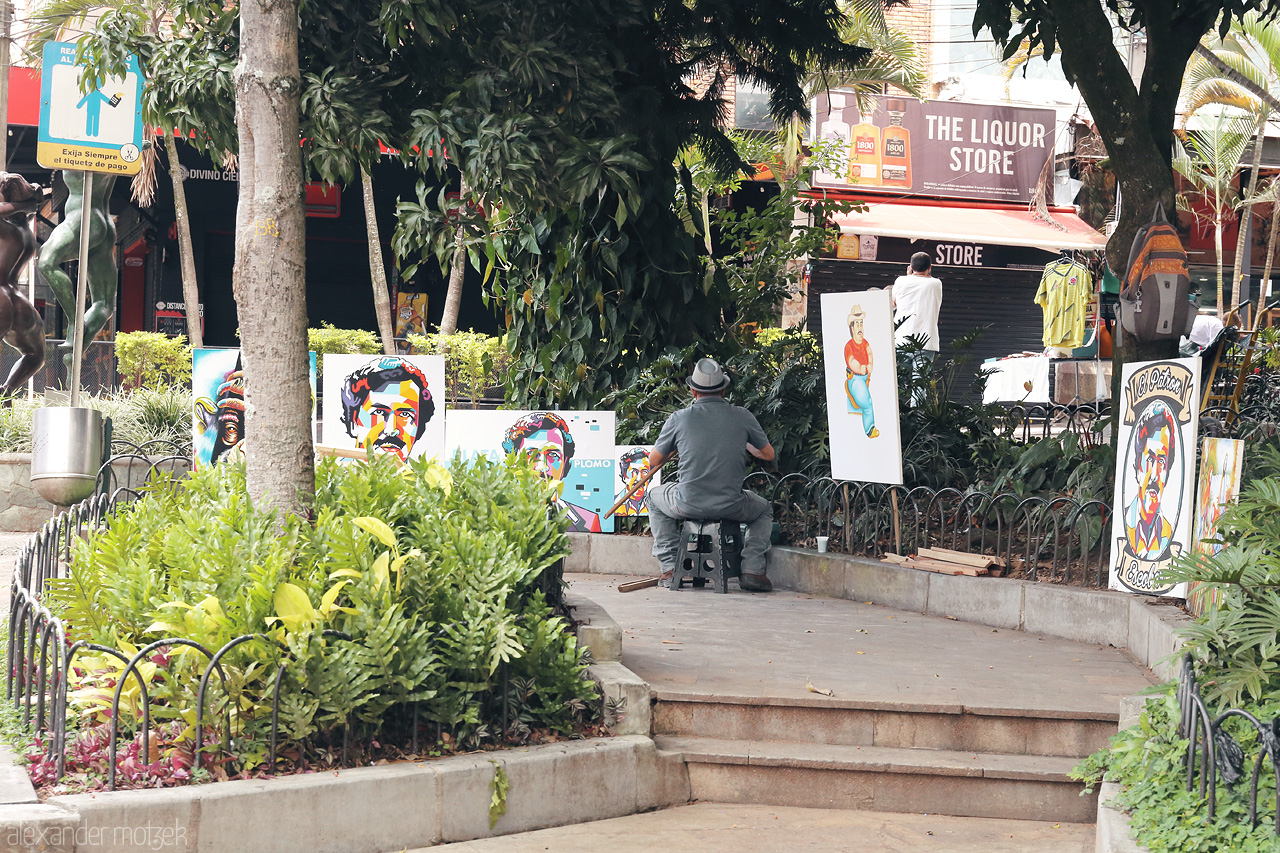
<point>666,517</point>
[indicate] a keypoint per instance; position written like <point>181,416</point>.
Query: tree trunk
<point>190,287</point>
<point>1137,124</point>
<point>1217,251</point>
<point>377,271</point>
<point>457,272</point>
<point>1246,211</point>
<point>1271,245</point>
<point>269,276</point>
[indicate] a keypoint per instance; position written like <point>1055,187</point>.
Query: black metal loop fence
<point>1214,755</point>
<point>1059,539</point>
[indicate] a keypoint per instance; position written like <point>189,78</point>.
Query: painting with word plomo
<point>575,449</point>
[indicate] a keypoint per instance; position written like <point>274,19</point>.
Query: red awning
<point>995,226</point>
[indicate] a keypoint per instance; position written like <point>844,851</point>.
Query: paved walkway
<point>769,645</point>
<point>714,828</point>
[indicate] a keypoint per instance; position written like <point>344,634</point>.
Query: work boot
<point>755,583</point>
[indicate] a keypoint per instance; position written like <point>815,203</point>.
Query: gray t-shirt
<point>711,437</point>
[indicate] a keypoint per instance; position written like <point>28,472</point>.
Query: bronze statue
<point>64,245</point>
<point>20,323</point>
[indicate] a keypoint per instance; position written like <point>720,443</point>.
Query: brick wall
<point>916,20</point>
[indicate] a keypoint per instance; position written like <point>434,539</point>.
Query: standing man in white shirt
<point>917,301</point>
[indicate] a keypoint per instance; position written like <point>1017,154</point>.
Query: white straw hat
<point>708,377</point>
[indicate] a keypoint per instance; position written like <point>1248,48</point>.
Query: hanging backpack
<point>1155,301</point>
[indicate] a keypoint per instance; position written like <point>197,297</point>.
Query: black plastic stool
<point>712,553</point>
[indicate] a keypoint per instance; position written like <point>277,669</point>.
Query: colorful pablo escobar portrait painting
<point>385,404</point>
<point>1221,465</point>
<point>217,423</point>
<point>1154,502</point>
<point>862,386</point>
<point>574,448</point>
<point>633,465</point>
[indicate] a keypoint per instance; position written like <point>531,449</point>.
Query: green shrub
<point>473,362</point>
<point>15,424</point>
<point>1235,643</point>
<point>434,576</point>
<point>1234,646</point>
<point>779,378</point>
<point>137,416</point>
<point>148,414</point>
<point>330,339</point>
<point>1149,762</point>
<point>152,359</point>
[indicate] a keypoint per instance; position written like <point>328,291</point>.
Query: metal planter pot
<point>66,453</point>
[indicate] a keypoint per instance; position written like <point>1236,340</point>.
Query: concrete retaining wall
<point>21,509</point>
<point>24,511</point>
<point>362,810</point>
<point>628,699</point>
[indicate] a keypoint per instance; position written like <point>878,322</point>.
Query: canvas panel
<point>1154,500</point>
<point>1218,486</point>
<point>394,404</point>
<point>587,470</point>
<point>217,422</point>
<point>633,464</point>
<point>411,314</point>
<point>862,387</point>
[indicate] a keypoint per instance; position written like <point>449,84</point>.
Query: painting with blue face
<point>575,449</point>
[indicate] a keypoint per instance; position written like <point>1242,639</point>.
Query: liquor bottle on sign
<point>895,167</point>
<point>864,153</point>
<point>834,128</point>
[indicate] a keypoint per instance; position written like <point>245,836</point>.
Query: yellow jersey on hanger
<point>1065,290</point>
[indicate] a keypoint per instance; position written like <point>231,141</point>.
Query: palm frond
<point>1020,58</point>
<point>1221,92</point>
<point>53,19</point>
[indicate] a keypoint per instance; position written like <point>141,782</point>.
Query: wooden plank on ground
<point>893,558</point>
<point>981,561</point>
<point>943,567</point>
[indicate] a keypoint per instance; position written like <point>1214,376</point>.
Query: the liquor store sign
<point>935,148</point>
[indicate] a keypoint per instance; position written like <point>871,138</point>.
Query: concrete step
<point>887,779</point>
<point>1012,731</point>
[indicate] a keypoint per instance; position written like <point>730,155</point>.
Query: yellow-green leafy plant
<point>152,360</point>
<point>330,339</point>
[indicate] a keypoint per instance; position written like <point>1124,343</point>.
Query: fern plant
<point>1237,643</point>
<point>415,588</point>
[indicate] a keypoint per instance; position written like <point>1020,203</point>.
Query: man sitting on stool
<point>710,436</point>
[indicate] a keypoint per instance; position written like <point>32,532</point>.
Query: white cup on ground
<point>822,544</point>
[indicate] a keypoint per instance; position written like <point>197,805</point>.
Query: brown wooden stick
<point>632,586</point>
<point>980,561</point>
<point>897,531</point>
<point>350,453</point>
<point>643,480</point>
